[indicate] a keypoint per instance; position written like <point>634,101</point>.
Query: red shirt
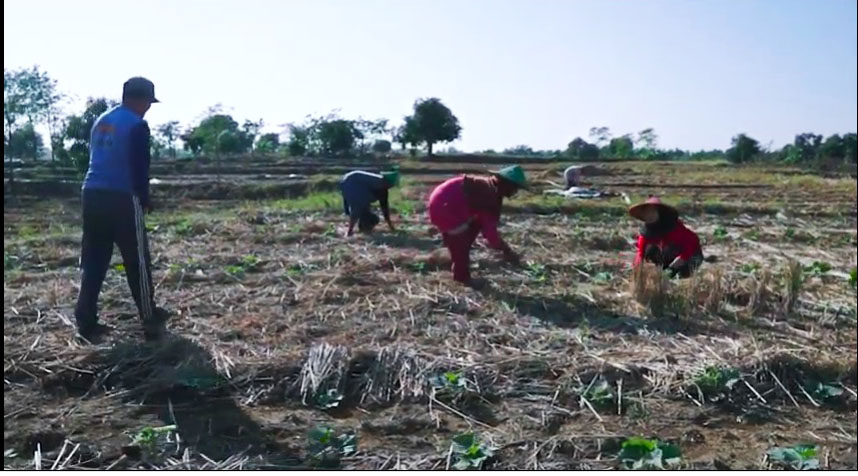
<point>681,238</point>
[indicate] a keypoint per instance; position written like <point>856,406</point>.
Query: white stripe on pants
<point>143,275</point>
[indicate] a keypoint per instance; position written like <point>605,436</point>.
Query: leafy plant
<point>331,231</point>
<point>235,270</point>
<point>599,393</point>
<point>149,437</point>
<point>183,227</point>
<point>325,446</point>
<point>641,453</point>
<point>752,235</point>
<point>720,233</point>
<point>853,277</point>
<point>329,399</point>
<point>469,452</point>
<point>537,272</point>
<point>789,233</point>
<point>716,380</point>
<point>750,268</point>
<point>450,382</point>
<point>418,267</point>
<point>250,261</point>
<point>119,267</point>
<point>9,261</point>
<point>798,457</point>
<point>822,391</point>
<point>818,268</point>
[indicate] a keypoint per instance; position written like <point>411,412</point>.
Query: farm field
<point>296,347</point>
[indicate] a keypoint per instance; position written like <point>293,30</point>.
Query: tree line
<point>32,98</point>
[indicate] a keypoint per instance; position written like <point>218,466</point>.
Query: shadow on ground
<point>571,311</point>
<point>175,379</point>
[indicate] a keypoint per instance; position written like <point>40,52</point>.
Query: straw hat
<point>641,210</point>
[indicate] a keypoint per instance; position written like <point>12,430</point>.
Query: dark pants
<point>663,257</point>
<point>459,246</point>
<point>368,221</point>
<point>113,217</point>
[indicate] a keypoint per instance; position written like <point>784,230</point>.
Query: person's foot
<point>156,329</point>
<point>93,333</point>
<point>162,315</point>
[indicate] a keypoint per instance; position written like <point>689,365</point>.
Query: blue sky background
<point>535,72</point>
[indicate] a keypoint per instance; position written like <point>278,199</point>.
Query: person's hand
<point>677,263</point>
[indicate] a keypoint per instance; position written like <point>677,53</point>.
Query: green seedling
<point>798,457</point>
<point>149,437</point>
<point>450,382</point>
<point>641,453</point>
<point>326,447</point>
<point>183,227</point>
<point>119,267</point>
<point>750,268</point>
<point>537,272</point>
<point>720,233</point>
<point>599,394</point>
<point>853,278</point>
<point>250,261</point>
<point>752,235</point>
<point>713,381</point>
<point>789,233</point>
<point>9,261</point>
<point>818,268</point>
<point>331,231</point>
<point>469,452</point>
<point>235,270</point>
<point>822,391</point>
<point>418,267</point>
<point>329,399</point>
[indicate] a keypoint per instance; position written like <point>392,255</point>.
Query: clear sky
<point>535,72</point>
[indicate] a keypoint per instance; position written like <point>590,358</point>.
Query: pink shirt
<point>449,210</point>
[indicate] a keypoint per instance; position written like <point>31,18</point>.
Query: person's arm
<point>385,208</point>
<point>352,221</point>
<point>140,161</point>
<point>639,256</point>
<point>489,229</point>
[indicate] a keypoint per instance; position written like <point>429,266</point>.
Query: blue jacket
<point>119,154</point>
<point>360,189</point>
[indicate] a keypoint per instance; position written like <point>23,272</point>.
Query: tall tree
<point>29,96</point>
<point>743,149</point>
<point>169,134</point>
<point>432,122</point>
<point>622,147</point>
<point>600,136</point>
<point>79,127</point>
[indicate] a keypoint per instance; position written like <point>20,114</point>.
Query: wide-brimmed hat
<point>637,211</point>
<point>392,177</point>
<point>513,173</point>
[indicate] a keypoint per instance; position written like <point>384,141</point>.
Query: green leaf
<point>119,267</point>
<point>321,435</point>
<point>463,442</point>
<point>806,452</point>
<point>670,453</point>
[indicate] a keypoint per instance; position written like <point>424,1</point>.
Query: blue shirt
<point>360,189</point>
<point>119,154</point>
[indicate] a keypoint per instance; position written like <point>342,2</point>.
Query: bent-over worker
<point>465,206</point>
<point>360,190</point>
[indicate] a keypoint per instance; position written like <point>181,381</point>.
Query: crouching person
<point>465,206</point>
<point>664,240</point>
<point>360,190</point>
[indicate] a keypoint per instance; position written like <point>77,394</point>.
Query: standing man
<point>115,197</point>
<point>360,189</point>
